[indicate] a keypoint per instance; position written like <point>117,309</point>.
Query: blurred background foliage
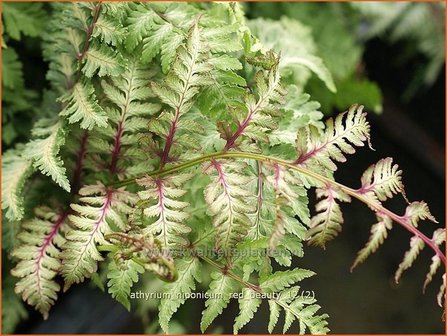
<point>340,53</point>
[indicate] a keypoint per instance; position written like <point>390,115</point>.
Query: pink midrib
<point>97,224</point>
<point>48,240</point>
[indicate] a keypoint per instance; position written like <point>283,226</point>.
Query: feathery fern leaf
<point>297,307</point>
<point>258,110</point>
<point>81,105</point>
<point>12,74</point>
<point>100,208</point>
<point>102,60</point>
<point>39,257</point>
<point>417,211</point>
<point>382,179</point>
<point>189,270</point>
<point>438,238</point>
<point>15,170</point>
<point>161,29</point>
<point>326,224</point>
<point>129,96</point>
<point>320,151</point>
<point>109,29</point>
<point>23,18</point>
<point>121,279</point>
<point>248,305</point>
<point>226,198</point>
<point>44,151</point>
<point>280,280</point>
<point>159,201</point>
<point>379,233</point>
<point>416,246</point>
<point>221,287</point>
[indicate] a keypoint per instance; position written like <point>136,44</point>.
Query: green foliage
<point>44,150</point>
<point>177,142</point>
<point>121,278</point>
<point>317,24</point>
<point>23,19</point>
<point>15,170</point>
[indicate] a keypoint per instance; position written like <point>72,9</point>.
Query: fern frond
<point>297,307</point>
<point>109,30</point>
<point>44,151</point>
<point>22,18</point>
<point>100,60</point>
<point>416,246</point>
<point>226,198</point>
<point>248,305</point>
<point>12,76</point>
<point>81,105</point>
<point>129,95</point>
<point>39,257</point>
<point>379,233</point>
<point>441,294</point>
<point>438,238</point>
<point>121,279</point>
<point>159,202</point>
<point>221,286</point>
<point>15,171</point>
<point>99,208</point>
<point>161,29</point>
<point>189,274</point>
<point>326,224</point>
<point>320,151</point>
<point>383,180</point>
<point>258,110</point>
<point>280,280</point>
<point>417,211</point>
<point>291,203</point>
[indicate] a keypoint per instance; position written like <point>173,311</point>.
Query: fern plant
<point>175,149</point>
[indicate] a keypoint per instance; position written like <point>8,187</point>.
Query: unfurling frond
<point>416,246</point>
<point>82,106</point>
<point>383,180</point>
<point>319,151</point>
<point>189,274</point>
<point>326,224</point>
<point>44,151</point>
<point>379,233</point>
<point>121,279</point>
<point>160,204</point>
<point>39,256</point>
<point>226,198</point>
<point>99,208</point>
<point>145,250</point>
<point>221,286</point>
<point>15,170</point>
